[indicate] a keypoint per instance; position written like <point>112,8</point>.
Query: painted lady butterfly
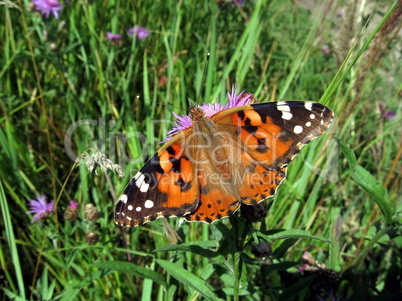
<point>218,157</point>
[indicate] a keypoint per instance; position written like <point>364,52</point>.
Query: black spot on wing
<point>171,150</point>
<point>184,186</point>
<point>175,164</point>
<point>262,147</point>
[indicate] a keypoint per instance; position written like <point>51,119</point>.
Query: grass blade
<point>11,241</point>
<point>187,278</point>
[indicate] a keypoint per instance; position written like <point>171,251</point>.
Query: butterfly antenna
<point>203,78</point>
<point>159,103</point>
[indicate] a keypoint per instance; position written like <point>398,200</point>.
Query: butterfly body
<point>207,170</point>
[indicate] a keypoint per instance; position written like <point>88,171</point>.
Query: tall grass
<point>340,201</point>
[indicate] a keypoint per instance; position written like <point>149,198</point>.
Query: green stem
<point>368,247</point>
<point>236,258</point>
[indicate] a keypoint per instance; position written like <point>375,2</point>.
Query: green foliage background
<point>57,72</point>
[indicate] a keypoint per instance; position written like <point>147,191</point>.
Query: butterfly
<point>219,157</point>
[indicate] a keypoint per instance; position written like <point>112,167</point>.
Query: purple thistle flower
<point>40,207</point>
<point>73,205</point>
<point>113,36</point>
<point>47,7</point>
<point>138,31</point>
<point>183,122</point>
<point>71,212</point>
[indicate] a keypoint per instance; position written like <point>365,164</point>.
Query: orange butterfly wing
<point>165,187</point>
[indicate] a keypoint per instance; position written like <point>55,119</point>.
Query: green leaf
<point>12,295</point>
<point>368,183</point>
<point>132,269</point>
<point>291,233</point>
<point>282,249</point>
<point>188,246</point>
<point>193,248</point>
<point>187,278</point>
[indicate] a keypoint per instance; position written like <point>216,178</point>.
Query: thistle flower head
<point>40,207</point>
<point>113,36</point>
<point>71,212</point>
<point>138,32</point>
<point>91,213</point>
<point>92,237</point>
<point>73,205</point>
<point>47,7</point>
<point>234,100</point>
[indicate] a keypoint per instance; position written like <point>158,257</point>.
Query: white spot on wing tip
<point>130,207</point>
<point>308,106</point>
<point>287,115</point>
<point>298,129</point>
<point>144,187</point>
<point>138,209</point>
<point>140,182</point>
<point>123,198</point>
<point>283,107</point>
<point>148,204</point>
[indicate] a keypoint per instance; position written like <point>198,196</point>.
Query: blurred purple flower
<point>235,100</point>
<point>47,7</point>
<point>307,259</point>
<point>73,205</point>
<point>237,2</point>
<point>389,114</point>
<point>138,31</point>
<point>325,50</point>
<point>40,207</point>
<point>113,36</point>
<point>386,114</point>
<point>340,14</point>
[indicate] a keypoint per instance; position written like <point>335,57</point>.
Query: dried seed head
<point>254,213</point>
<point>263,249</point>
<point>91,213</point>
<point>92,237</point>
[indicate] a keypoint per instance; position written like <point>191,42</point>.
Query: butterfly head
<point>196,112</point>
